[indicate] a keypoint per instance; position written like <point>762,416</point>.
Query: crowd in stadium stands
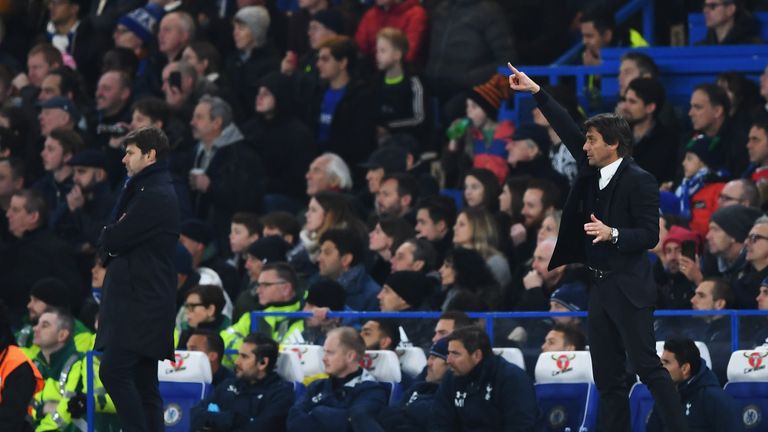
<point>340,155</point>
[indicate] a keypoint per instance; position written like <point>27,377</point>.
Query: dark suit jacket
<point>632,208</point>
<point>139,301</point>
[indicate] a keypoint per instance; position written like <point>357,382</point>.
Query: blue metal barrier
<point>489,317</point>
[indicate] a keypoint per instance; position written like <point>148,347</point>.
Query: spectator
<point>540,282</point>
<point>205,58</point>
<point>380,334</point>
<point>55,361</point>
<point>177,30</point>
<point>399,93</point>
<point>418,399</point>
<point>743,93</point>
<point>227,164</point>
<point>298,25</point>
<point>550,226</point>
<point>50,293</point>
<point>383,162</point>
<point>281,224</point>
<point>11,181</point>
<point>473,365</point>
<point>113,103</point>
<point>475,229</point>
<point>181,89</point>
<point>656,148</point>
<point>757,147</point>
<point>481,190</point>
<point>569,297</point>
<point>539,200</point>
<point>324,295</point>
<point>88,204</point>
<point>633,65</point>
<point>339,111</point>
<point>714,295</point>
<point>325,406</point>
<point>326,210</point>
<point>397,196</point>
<point>435,217</point>
<point>448,322</point>
<point>59,147</point>
<point>62,81</point>
<point>264,251</point>
<point>282,141</point>
<point>466,270</point>
<point>198,238</point>
<point>388,234</point>
<point>203,309</point>
<point>212,345</point>
<point>406,291</point>
<point>528,155</point>
<point>41,59</point>
<point>729,23</point>
<point>562,160</point>
<point>700,189</point>
<point>36,254</point>
<point>599,30</point>
<point>745,289</point>
<point>57,112</point>
<point>341,259</point>
<point>707,406</point>
<point>675,289</point>
<point>479,140</point>
<point>564,337</point>
<point>257,398</point>
<point>760,337</point>
<point>255,57</point>
<point>739,191</point>
<point>468,41</point>
<point>415,254</point>
<point>137,30</point>
<point>727,236</point>
<point>407,16</point>
<point>21,379</point>
<point>709,116</point>
<point>511,198</point>
<point>328,172</point>
<point>244,230</point>
<point>278,291</point>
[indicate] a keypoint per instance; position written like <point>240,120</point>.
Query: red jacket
<point>703,204</point>
<point>407,16</point>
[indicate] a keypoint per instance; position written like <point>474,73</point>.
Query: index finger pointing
<point>512,68</point>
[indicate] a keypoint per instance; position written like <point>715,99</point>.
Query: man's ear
<point>346,260</point>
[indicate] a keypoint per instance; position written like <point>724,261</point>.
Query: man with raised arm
<point>609,221</point>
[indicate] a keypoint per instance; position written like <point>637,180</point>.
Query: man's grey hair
<point>338,169</point>
<point>187,70</point>
<point>219,109</point>
<point>762,220</point>
<point>187,23</point>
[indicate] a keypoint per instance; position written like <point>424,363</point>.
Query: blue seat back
<point>568,405</point>
<point>178,400</point>
<point>640,406</point>
<point>752,400</point>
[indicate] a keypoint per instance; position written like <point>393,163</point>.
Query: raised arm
<point>558,117</point>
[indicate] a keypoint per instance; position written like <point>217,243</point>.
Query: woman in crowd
<point>465,274</point>
<point>476,229</point>
<point>481,190</point>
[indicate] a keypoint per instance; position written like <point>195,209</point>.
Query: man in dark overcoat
<point>139,294</point>
<point>610,220</point>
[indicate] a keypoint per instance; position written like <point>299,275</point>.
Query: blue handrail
<point>622,15</point>
<point>489,320</point>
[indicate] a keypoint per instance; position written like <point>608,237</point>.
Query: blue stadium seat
<point>748,384</point>
<point>566,391</point>
<point>385,367</point>
<point>183,383</point>
<point>640,406</point>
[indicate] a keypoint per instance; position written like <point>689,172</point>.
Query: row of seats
<point>564,385</point>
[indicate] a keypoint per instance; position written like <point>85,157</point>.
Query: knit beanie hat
<point>708,150</point>
<point>571,295</point>
<point>411,286</point>
<point>197,230</point>
<point>536,133</point>
<point>490,94</point>
<point>269,249</point>
<point>52,292</point>
<point>440,349</point>
<point>736,220</point>
<point>679,234</point>
<point>327,293</point>
<point>143,21</point>
<point>256,18</point>
<point>330,19</point>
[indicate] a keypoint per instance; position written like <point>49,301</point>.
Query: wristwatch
<point>614,235</point>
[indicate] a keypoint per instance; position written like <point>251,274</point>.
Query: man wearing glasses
<point>276,290</point>
<point>747,287</point>
<point>728,24</point>
<point>739,191</point>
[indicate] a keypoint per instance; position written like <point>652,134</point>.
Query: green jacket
<point>276,326</point>
<point>83,338</point>
<point>55,374</point>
